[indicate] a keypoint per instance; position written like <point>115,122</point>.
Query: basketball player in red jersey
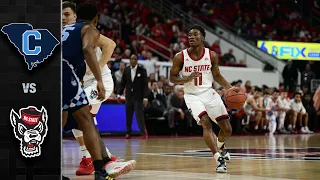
<point>199,67</point>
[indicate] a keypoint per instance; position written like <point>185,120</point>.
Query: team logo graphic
<point>93,94</point>
<point>30,128</point>
<point>35,45</point>
<point>73,82</point>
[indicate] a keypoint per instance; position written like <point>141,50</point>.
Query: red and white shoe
<point>113,158</point>
<point>86,167</point>
<point>115,169</point>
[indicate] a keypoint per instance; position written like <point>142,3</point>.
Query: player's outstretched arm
<point>107,45</point>
<point>176,68</point>
<point>216,72</point>
<point>90,35</point>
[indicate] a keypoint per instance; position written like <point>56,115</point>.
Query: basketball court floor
<point>187,158</point>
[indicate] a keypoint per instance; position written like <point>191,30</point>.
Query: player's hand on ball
<point>101,91</point>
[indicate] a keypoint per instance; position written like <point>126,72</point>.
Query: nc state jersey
<point>105,71</point>
<point>203,66</point>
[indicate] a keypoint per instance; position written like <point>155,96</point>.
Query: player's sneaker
<point>221,165</point>
<point>86,167</point>
<point>283,131</point>
<point>224,153</point>
<point>303,130</point>
<point>102,176</point>
<point>292,131</point>
<point>115,159</point>
<point>308,131</point>
<point>115,169</point>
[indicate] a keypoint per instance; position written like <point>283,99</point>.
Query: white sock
<point>281,120</point>
<point>216,156</point>
<point>290,126</point>
<point>220,144</point>
<point>264,127</point>
<point>256,127</point>
<point>294,126</point>
<point>85,152</point>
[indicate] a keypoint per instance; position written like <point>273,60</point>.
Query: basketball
<point>235,98</point>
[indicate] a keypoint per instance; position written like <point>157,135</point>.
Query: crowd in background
<point>281,20</point>
<point>167,101</point>
<point>167,107</point>
<point>126,21</point>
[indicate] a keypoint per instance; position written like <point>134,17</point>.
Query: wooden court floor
<point>252,157</point>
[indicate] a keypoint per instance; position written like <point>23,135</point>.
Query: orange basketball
<point>235,98</point>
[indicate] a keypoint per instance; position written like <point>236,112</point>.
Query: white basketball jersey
<point>203,66</point>
<point>105,71</point>
<point>247,107</point>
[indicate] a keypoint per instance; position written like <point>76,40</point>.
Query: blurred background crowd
<point>138,29</point>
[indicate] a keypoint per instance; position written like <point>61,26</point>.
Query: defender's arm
<point>91,35</point>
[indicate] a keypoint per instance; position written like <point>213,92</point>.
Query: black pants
<point>289,85</point>
<point>132,106</point>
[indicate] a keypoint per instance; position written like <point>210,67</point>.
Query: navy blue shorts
<point>73,94</point>
<point>71,123</point>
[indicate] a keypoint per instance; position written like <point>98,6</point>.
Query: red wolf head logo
<point>30,127</point>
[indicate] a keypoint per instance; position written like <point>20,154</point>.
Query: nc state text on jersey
<point>197,68</point>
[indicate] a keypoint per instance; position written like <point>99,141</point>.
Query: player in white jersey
<point>199,68</point>
<point>272,104</point>
<point>300,114</point>
<point>252,108</point>
<point>90,85</point>
<point>284,104</point>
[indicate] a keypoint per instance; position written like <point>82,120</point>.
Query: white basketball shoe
<point>221,165</point>
<point>115,169</point>
<point>224,153</point>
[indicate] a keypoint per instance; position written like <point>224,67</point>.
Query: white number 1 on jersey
<point>198,80</point>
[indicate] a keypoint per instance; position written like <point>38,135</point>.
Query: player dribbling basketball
<point>199,68</point>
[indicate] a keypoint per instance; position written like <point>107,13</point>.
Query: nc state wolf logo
<point>30,128</point>
<point>93,94</point>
